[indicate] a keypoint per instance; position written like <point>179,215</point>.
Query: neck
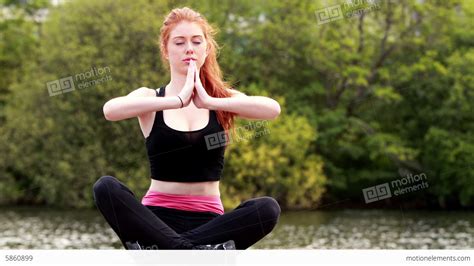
<point>176,84</point>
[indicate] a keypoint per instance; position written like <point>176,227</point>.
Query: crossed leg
<point>252,220</point>
<point>132,221</point>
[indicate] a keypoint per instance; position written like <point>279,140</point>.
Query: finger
<point>194,69</point>
<point>198,79</point>
<point>197,74</point>
<point>190,75</point>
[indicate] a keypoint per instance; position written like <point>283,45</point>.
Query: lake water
<point>40,228</point>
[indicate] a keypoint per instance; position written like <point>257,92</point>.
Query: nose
<point>189,48</point>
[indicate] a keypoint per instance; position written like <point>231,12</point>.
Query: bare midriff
<point>208,188</point>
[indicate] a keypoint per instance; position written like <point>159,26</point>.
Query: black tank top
<point>186,156</point>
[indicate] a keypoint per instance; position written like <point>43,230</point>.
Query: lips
<point>188,59</point>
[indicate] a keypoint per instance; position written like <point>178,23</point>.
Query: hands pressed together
<point>193,89</point>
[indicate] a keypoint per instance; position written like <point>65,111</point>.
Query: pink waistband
<point>195,203</point>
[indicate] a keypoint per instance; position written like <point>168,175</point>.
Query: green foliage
<point>62,144</point>
<point>272,158</point>
<point>18,40</point>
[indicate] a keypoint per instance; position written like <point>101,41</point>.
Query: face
<point>186,41</point>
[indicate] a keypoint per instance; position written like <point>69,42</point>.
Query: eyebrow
<point>185,37</point>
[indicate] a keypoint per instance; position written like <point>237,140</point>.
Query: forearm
<point>127,107</point>
<point>251,107</point>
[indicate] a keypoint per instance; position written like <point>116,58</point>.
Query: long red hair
<point>210,72</point>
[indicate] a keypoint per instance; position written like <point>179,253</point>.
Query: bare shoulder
<point>142,92</point>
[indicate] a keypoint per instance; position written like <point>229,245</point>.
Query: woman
<point>181,123</point>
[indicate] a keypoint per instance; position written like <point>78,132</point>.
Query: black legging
<point>165,228</point>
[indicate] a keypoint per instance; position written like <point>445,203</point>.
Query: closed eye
<point>181,43</point>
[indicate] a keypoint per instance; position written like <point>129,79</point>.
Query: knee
<point>103,185</point>
<point>270,207</point>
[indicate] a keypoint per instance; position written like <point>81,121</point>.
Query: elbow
<point>275,110</point>
<point>107,112</point>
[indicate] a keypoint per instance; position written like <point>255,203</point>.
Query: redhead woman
<point>181,122</point>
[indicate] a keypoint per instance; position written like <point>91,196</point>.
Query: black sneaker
<point>229,245</point>
<point>133,245</point>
